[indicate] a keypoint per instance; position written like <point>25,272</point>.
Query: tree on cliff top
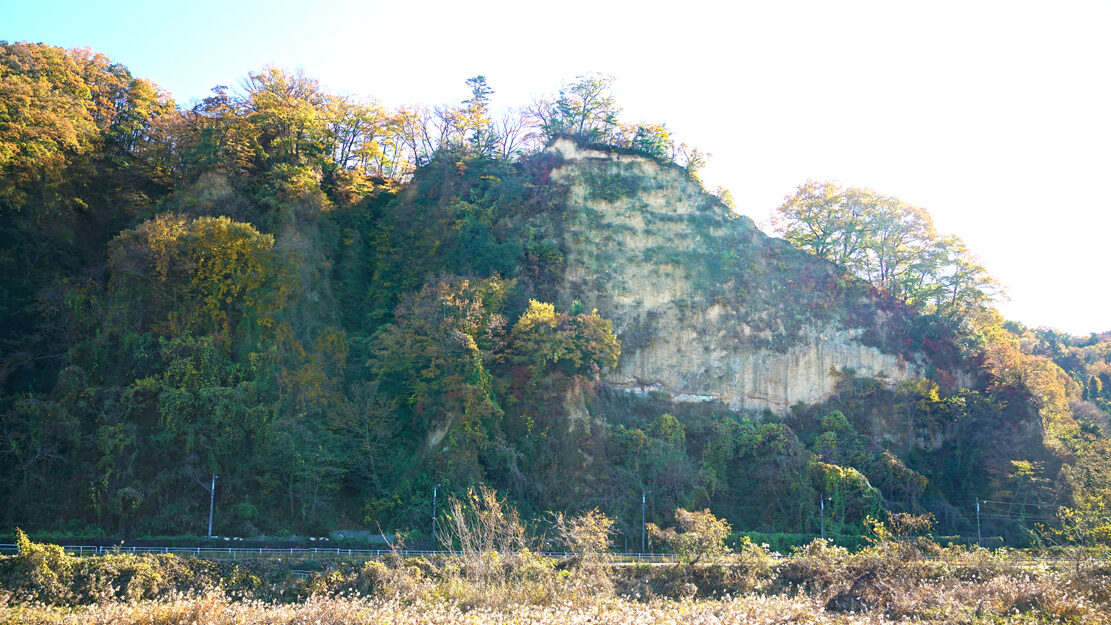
<point>889,243</point>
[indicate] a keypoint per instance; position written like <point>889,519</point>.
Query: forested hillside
<point>335,306</point>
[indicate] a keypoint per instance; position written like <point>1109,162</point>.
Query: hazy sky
<point>994,116</point>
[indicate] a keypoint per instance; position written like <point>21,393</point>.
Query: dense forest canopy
<point>334,306</point>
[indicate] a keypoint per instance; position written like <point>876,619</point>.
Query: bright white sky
<point>994,116</point>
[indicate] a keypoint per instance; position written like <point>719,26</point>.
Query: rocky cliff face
<point>706,306</point>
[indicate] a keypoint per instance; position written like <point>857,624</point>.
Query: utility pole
<point>979,538</point>
<point>822,507</point>
<point>435,541</point>
<point>643,497</point>
<point>211,502</point>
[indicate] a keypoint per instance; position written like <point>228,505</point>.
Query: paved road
<point>311,553</point>
<point>334,553</point>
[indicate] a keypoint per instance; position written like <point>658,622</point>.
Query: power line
<point>999,517</point>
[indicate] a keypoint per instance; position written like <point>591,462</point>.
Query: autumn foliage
<point>336,306</point>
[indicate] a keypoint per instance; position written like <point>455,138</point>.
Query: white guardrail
<point>306,553</point>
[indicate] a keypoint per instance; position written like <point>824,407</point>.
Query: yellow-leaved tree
<point>208,275</point>
<point>700,536</point>
<point>543,339</point>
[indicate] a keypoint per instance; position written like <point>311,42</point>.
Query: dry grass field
<point>217,609</point>
<point>966,587</point>
<point>898,579</point>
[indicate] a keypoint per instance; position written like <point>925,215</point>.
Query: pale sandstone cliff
<point>706,306</point>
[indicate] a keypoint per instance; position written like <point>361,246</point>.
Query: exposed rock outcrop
<point>708,307</point>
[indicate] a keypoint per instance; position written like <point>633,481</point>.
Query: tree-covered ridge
<point>335,307</point>
<point>207,337</point>
<point>76,166</point>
